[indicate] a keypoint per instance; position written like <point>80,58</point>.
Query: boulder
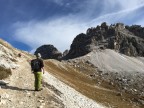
<point>48,52</point>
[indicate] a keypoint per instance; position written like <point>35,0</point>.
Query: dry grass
<point>105,94</point>
<point>4,73</point>
<point>7,45</point>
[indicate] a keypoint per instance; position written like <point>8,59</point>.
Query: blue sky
<point>27,24</point>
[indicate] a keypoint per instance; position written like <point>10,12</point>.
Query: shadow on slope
<point>15,88</point>
<point>4,73</point>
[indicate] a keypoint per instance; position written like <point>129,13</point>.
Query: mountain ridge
<point>128,40</point>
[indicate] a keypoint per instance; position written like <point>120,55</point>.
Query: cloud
<point>60,31</point>
<point>117,16</point>
<point>59,2</point>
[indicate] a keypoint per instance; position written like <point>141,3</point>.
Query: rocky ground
<point>122,72</point>
<point>91,83</point>
<point>100,79</point>
<point>18,91</point>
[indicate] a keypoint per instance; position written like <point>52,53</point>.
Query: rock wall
<point>122,38</point>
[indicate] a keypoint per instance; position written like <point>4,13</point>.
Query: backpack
<point>35,65</point>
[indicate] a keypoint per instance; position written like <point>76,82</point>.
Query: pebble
<point>40,107</point>
<point>119,94</point>
<point>2,102</point>
<point>21,102</point>
<point>43,103</point>
<point>28,93</point>
<point>3,82</point>
<point>5,96</point>
<point>40,101</point>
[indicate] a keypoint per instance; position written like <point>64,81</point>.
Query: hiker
<point>37,67</point>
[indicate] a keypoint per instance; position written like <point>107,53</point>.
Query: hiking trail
<point>19,93</point>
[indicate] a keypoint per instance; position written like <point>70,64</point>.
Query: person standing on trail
<point>37,67</point>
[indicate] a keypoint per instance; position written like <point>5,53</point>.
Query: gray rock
<point>117,36</point>
<point>4,83</point>
<point>49,52</point>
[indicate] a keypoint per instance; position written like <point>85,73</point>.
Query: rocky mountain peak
<point>128,40</point>
<point>49,52</point>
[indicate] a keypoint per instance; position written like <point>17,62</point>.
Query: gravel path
<point>19,93</point>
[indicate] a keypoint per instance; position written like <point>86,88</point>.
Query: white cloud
<point>59,2</point>
<point>129,4</point>
<point>61,31</point>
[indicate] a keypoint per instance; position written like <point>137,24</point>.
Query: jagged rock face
<point>81,45</point>
<point>117,36</point>
<point>49,52</point>
<point>65,52</point>
<point>136,30</point>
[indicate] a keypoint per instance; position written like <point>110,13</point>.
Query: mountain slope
<point>17,90</point>
<point>93,87</point>
<point>115,36</point>
<point>102,78</point>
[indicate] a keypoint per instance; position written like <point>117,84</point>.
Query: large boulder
<point>48,52</point>
<point>8,59</point>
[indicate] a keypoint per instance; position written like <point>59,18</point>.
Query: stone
<point>5,96</point>
<point>2,102</point>
<point>28,93</point>
<point>40,106</point>
<point>48,52</point>
<point>119,94</point>
<point>40,101</point>
<point>21,103</point>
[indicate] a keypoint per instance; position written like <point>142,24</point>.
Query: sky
<point>28,24</point>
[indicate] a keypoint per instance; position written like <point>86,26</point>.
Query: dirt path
<point>19,93</point>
